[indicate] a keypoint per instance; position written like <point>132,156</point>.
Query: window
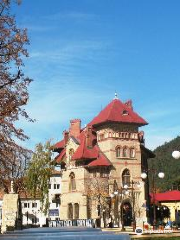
<point>26,205</point>
<point>101,137</point>
<point>118,152</point>
<point>125,112</point>
<point>70,211</point>
<point>56,186</point>
<point>76,211</point>
<point>126,177</point>
<point>132,153</point>
<point>34,205</point>
<point>71,152</point>
<point>72,182</point>
<point>125,152</point>
<point>49,186</point>
<point>35,220</point>
<point>103,173</point>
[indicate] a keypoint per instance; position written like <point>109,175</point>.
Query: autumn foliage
<point>13,93</point>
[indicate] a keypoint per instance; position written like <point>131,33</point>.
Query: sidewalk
<point>133,235</point>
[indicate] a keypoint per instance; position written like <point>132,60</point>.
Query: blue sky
<point>82,51</point>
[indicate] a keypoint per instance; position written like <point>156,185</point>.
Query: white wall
<point>31,213</point>
<point>54,191</point>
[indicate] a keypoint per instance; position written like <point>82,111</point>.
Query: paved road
<point>71,233</point>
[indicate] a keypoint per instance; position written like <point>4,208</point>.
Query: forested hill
<point>166,163</point>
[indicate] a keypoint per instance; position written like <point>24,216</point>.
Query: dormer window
<point>125,112</point>
<point>71,152</point>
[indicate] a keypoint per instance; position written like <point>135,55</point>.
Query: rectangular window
<point>70,211</point>
<point>26,205</point>
<point>35,220</point>
<point>56,186</point>
<point>49,186</point>
<point>34,205</point>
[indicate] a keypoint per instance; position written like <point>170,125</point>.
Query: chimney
<point>89,136</point>
<point>75,127</point>
<point>129,104</point>
<point>66,136</point>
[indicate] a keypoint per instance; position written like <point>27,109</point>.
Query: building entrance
<point>127,213</point>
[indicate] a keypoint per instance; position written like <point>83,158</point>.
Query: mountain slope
<point>164,162</point>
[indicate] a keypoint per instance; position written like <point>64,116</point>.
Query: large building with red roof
<point>101,167</point>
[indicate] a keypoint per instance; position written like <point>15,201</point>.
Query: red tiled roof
<point>60,144</point>
<point>113,112</point>
<point>100,161</point>
<point>167,196</point>
<point>60,157</point>
<point>83,152</point>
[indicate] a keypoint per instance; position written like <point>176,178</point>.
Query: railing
<point>72,223</point>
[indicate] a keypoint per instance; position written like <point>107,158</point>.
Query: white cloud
<point>72,15</point>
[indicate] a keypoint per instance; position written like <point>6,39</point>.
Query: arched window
<point>71,152</point>
<point>72,182</point>
<point>132,153</point>
<point>70,211</point>
<point>125,152</point>
<point>76,211</point>
<point>118,152</point>
<point>126,177</point>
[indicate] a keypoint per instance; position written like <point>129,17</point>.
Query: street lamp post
<point>27,216</point>
<point>119,193</point>
<point>118,196</point>
<point>160,175</point>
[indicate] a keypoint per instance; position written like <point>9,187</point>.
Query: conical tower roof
<point>118,112</point>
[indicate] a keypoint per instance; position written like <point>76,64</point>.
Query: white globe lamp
<point>161,175</point>
<point>176,154</point>
<point>143,175</point>
<point>111,195</point>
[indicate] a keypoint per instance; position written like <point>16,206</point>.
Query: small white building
<point>31,213</point>
<point>54,195</point>
<point>31,208</point>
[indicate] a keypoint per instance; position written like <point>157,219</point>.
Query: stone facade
<point>122,145</point>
